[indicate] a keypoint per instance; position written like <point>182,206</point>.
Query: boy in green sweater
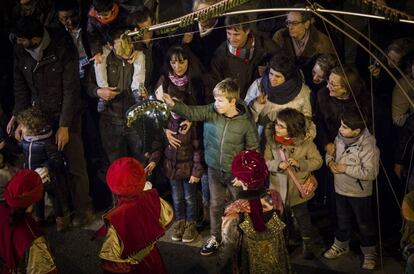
<point>228,129</point>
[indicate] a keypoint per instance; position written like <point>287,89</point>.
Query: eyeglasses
<point>333,85</point>
<point>292,23</point>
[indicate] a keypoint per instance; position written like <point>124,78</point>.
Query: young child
<point>23,248</point>
<point>354,163</point>
<point>123,48</point>
<point>228,129</point>
<point>41,154</point>
<point>254,219</point>
<point>183,167</point>
<point>287,148</point>
<point>138,219</point>
<point>105,16</point>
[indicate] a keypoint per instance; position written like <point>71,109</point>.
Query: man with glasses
<point>300,38</point>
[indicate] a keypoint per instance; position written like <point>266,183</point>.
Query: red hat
<point>24,189</point>
<point>126,177</point>
<point>250,167</point>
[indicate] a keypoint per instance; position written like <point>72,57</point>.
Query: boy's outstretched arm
<point>192,113</point>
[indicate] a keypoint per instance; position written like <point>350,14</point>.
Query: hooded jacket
<point>362,160</point>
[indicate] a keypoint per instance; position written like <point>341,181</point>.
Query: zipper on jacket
<point>222,142</point>
<point>30,155</point>
<point>43,61</point>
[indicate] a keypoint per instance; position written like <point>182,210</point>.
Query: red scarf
<point>136,221</point>
<point>283,140</point>
<point>14,242</point>
<point>110,19</point>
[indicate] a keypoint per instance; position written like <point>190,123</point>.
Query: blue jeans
<point>184,198</point>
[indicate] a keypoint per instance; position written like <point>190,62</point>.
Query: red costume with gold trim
<point>135,224</point>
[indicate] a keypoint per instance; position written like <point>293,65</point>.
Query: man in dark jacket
<point>240,56</point>
<point>46,75</point>
<point>140,141</point>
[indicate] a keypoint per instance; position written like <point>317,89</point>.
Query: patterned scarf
<point>246,52</point>
<point>177,80</point>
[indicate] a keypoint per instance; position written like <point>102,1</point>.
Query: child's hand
<point>340,167</point>
<point>168,100</point>
<point>185,127</point>
<point>2,144</point>
<point>330,149</point>
<point>337,168</point>
<point>194,180</point>
<point>283,165</point>
<point>293,162</point>
<point>149,168</point>
<point>172,140</point>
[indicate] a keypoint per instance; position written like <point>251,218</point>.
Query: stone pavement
<point>75,252</point>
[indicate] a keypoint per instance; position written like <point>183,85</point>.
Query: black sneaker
<point>210,247</point>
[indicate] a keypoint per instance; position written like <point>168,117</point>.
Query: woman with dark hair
<point>182,76</point>
<point>287,152</point>
<point>280,87</point>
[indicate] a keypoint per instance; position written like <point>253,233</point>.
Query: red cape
<point>136,221</point>
<point>15,241</point>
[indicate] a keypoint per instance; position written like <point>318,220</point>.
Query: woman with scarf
<point>281,86</point>
<point>23,247</point>
<point>287,152</point>
<point>251,225</point>
<point>138,219</point>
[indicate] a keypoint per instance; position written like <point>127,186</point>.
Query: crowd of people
<point>261,125</point>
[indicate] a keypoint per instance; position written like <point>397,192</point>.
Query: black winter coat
<point>53,83</point>
<point>41,151</point>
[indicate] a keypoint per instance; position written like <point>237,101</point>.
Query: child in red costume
<point>23,248</point>
<point>135,223</point>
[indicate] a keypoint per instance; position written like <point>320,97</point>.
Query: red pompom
<point>24,189</point>
<point>126,177</point>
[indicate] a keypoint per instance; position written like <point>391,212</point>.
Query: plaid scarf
<point>246,52</point>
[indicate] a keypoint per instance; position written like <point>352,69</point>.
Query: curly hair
<point>34,119</point>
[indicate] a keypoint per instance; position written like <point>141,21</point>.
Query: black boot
<point>307,249</point>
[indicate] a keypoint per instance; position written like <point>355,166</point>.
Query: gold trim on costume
<point>40,260</point>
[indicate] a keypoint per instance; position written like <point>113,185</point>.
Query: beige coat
<point>309,158</point>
